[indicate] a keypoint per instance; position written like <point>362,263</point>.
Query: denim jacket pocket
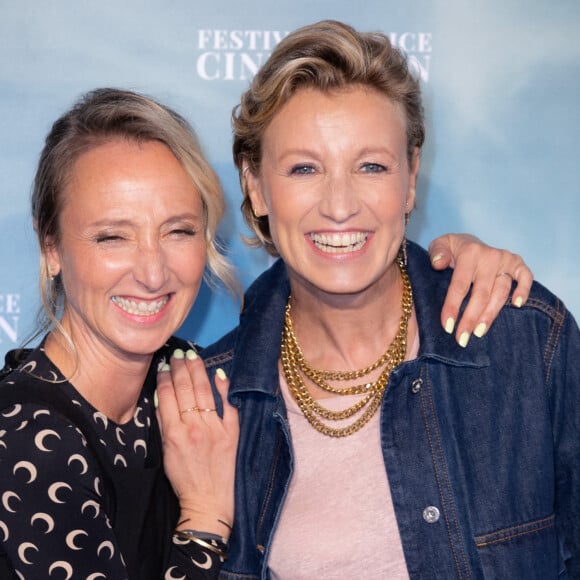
<point>528,550</point>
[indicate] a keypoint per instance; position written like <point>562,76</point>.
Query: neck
<point>347,332</point>
<point>110,383</point>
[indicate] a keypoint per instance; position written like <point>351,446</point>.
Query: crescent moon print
<point>169,575</point>
<point>5,530</point>
<point>37,414</point>
<point>65,566</point>
<point>106,545</point>
<point>91,503</point>
<point>98,416</point>
<point>78,457</point>
<point>26,465</point>
<point>13,411</point>
<point>21,426</point>
<point>6,497</point>
<point>53,489</point>
<point>120,459</point>
<point>42,435</point>
<point>120,435</point>
<point>204,566</point>
<point>140,443</point>
<point>136,417</point>
<point>70,539</point>
<point>45,518</point>
<point>29,367</point>
<point>22,551</point>
<point>95,576</point>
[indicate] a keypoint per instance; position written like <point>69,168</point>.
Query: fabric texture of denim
<point>481,445</point>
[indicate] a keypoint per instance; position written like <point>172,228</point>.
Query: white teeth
<point>140,308</point>
<point>340,242</point>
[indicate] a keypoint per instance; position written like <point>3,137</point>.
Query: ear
<point>254,190</point>
<point>414,171</point>
<point>52,256</point>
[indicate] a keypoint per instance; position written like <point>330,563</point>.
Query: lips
<point>141,307</point>
<point>340,242</point>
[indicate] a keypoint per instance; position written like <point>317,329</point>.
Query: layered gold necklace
<point>295,365</point>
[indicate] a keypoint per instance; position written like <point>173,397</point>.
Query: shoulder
<point>261,317</point>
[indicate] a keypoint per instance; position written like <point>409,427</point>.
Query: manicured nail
<point>164,368</point>
<point>464,339</point>
<point>449,325</point>
<point>178,354</point>
<point>436,258</point>
<point>191,354</point>
<point>221,374</point>
<point>155,399</point>
<point>480,329</point>
<point>518,302</point>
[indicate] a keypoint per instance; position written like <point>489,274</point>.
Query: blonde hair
<point>326,56</point>
<point>96,118</point>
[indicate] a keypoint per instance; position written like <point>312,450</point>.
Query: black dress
<point>82,496</point>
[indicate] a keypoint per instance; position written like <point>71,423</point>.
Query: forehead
<point>123,171</point>
<point>351,113</point>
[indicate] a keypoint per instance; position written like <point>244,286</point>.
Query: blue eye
<point>373,168</point>
<point>301,170</point>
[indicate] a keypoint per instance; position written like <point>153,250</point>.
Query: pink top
<point>337,520</point>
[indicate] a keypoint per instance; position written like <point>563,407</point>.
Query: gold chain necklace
<point>293,363</point>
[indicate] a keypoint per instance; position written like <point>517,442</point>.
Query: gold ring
<point>190,409</point>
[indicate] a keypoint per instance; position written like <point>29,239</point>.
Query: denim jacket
<point>481,445</point>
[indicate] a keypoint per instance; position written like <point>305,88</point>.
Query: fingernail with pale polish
<point>164,368</point>
<point>464,339</point>
<point>221,374</point>
<point>518,302</point>
<point>449,325</point>
<point>436,258</point>
<point>191,354</point>
<point>480,329</point>
<point>155,399</point>
<point>178,354</point>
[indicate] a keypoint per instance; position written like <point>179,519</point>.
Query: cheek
<point>189,266</point>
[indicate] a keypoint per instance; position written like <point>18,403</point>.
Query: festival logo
<point>236,55</point>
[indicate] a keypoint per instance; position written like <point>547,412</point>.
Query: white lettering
<point>10,330</point>
<point>10,303</point>
<point>421,65</point>
<point>229,66</point>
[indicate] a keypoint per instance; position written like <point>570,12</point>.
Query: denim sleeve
<point>564,381</point>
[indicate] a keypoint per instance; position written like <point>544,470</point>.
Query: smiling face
<point>132,251</point>
<point>336,183</point>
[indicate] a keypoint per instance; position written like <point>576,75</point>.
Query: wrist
<point>210,523</point>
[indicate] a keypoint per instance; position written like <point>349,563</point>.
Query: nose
<point>340,200</point>
<point>150,268</point>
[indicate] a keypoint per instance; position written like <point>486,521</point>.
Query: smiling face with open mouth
<point>131,252</point>
<point>335,182</point>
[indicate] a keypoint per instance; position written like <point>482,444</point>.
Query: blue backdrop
<point>501,83</point>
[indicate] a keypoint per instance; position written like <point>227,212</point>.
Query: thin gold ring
<point>191,409</point>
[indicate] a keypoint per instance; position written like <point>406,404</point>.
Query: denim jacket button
<point>260,548</point>
<point>431,514</point>
<point>416,386</point>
